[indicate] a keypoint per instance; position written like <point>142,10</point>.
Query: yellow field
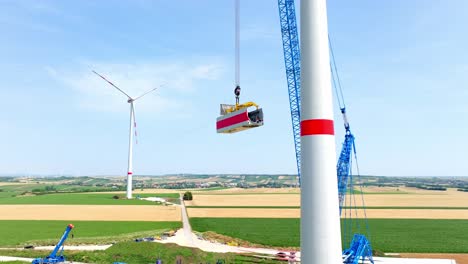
<point>244,213</point>
<point>10,183</point>
<point>245,200</point>
<point>295,213</point>
<point>379,197</point>
<point>90,212</point>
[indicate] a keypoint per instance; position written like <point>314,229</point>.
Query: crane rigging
<point>238,117</point>
<point>360,248</point>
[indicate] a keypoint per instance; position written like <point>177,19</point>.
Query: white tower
<point>131,131</point>
<point>320,219</point>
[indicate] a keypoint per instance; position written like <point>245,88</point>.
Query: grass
<point>145,252</point>
<point>15,232</point>
<point>265,231</point>
<point>251,193</point>
<point>80,198</point>
<point>253,207</point>
<point>419,235</point>
<point>387,235</point>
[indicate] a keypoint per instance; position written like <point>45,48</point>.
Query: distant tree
<point>188,196</point>
<point>50,188</point>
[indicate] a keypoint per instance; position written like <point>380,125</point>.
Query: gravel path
<point>186,223</point>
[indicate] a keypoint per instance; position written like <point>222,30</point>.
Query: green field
<point>250,193</point>
<point>257,207</point>
<point>387,235</point>
<point>41,187</point>
<point>147,252</point>
<point>15,232</point>
<point>82,198</point>
<point>269,231</point>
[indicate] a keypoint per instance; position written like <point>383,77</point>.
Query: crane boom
<point>292,61</point>
<point>343,168</point>
<point>52,257</point>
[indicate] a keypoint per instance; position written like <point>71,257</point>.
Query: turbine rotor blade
<point>145,94</point>
<point>112,84</point>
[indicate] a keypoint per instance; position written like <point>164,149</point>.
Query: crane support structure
<point>292,61</point>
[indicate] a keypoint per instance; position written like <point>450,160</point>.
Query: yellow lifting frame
<point>241,106</point>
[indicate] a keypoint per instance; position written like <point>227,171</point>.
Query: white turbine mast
<point>132,126</point>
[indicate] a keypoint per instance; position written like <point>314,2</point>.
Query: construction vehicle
<point>53,257</point>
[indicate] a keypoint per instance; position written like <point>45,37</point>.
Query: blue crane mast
<point>359,248</point>
<point>52,257</point>
<point>292,60</point>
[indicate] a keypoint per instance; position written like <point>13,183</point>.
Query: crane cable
<point>336,78</point>
<point>237,51</point>
<point>341,102</point>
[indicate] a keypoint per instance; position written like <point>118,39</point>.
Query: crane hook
<point>237,91</point>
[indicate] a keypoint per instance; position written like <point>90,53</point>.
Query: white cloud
<point>175,82</point>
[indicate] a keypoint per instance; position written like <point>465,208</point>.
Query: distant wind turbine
<point>132,126</point>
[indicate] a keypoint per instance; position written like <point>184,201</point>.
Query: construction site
<point>325,212</point>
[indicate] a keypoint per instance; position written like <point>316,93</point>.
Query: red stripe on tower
<point>317,127</point>
<point>129,173</point>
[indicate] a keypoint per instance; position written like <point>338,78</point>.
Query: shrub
<point>188,196</point>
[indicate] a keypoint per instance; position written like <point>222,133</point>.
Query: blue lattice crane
<point>292,60</point>
<point>359,246</point>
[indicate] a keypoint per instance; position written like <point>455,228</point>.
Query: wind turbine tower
<point>131,132</point>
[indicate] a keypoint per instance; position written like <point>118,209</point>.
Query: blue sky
<point>403,66</point>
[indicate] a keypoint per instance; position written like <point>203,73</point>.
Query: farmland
<point>90,212</point>
<point>269,231</point>
<point>265,216</point>
<point>23,232</point>
<point>381,203</point>
<point>387,235</point>
<point>79,198</point>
